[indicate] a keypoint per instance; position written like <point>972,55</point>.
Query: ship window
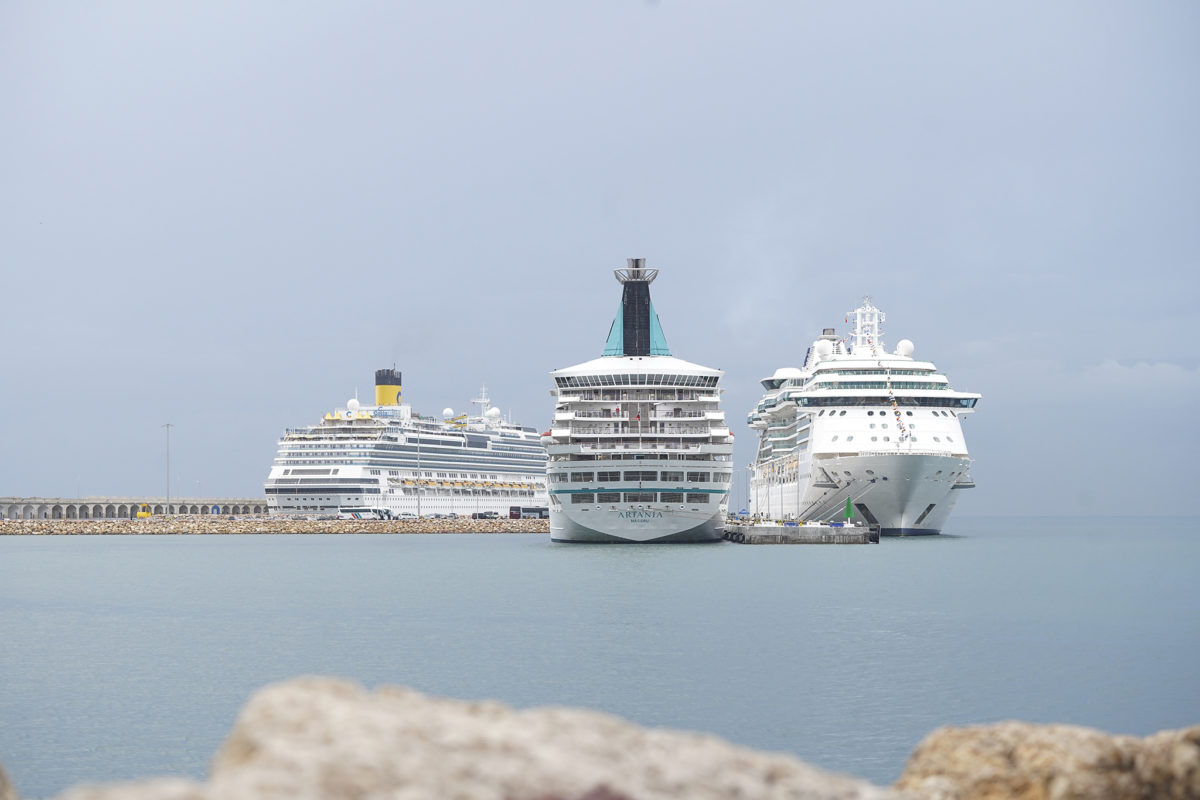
<point>846,473</point>
<point>937,439</point>
<point>872,413</point>
<point>909,413</point>
<point>608,497</point>
<point>834,439</point>
<point>672,476</point>
<point>842,414</point>
<point>577,499</point>
<point>671,497</point>
<point>887,438</point>
<point>641,475</point>
<point>822,413</point>
<point>870,472</point>
<point>874,438</point>
<point>885,424</point>
<point>639,497</point>
<point>849,438</point>
<point>608,477</point>
<point>872,424</point>
<point>697,477</point>
<point>697,498</point>
<point>582,477</point>
<point>949,438</point>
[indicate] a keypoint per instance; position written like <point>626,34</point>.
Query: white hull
<point>897,497</point>
<point>616,524</point>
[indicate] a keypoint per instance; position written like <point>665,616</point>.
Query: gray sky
<point>227,215</point>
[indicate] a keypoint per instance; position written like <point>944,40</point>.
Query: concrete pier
<point>778,533</point>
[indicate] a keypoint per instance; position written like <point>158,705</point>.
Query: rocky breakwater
<point>202,524</point>
<point>326,739</point>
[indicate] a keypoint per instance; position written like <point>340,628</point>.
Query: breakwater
<point>211,525</point>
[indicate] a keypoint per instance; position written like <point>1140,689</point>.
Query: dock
<point>795,533</point>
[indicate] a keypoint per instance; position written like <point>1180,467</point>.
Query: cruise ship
<point>386,458</point>
<point>638,450</point>
<point>855,422</point>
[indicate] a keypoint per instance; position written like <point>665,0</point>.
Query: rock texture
<point>1053,762</point>
<point>325,739</point>
<point>7,792</point>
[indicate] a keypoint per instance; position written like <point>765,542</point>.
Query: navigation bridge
<point>124,507</point>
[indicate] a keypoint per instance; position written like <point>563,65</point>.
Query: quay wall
<point>124,507</point>
<point>212,524</point>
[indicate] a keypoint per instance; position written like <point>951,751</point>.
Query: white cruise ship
<point>387,458</point>
<point>857,422</point>
<point>639,449</point>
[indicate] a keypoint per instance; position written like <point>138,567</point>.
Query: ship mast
<point>866,333</point>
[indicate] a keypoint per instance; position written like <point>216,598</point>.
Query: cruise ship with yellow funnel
<point>388,457</point>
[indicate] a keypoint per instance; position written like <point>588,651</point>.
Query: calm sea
<point>127,657</point>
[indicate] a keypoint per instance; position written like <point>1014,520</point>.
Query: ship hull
<point>615,525</point>
<point>905,494</point>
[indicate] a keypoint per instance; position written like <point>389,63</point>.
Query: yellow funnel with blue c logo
<point>387,387</point>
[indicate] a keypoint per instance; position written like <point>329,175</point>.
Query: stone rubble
<point>1024,761</point>
<point>205,524</point>
<point>328,739</point>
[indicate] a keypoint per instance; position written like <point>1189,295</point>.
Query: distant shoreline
<point>200,525</point>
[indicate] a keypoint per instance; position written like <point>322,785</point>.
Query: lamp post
<point>168,426</point>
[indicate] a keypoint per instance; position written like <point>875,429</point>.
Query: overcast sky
<point>226,216</point>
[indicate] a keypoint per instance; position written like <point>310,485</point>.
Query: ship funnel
<point>387,387</point>
<point>636,330</point>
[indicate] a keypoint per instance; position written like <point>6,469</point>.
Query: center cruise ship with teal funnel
<point>638,450</point>
<point>856,423</point>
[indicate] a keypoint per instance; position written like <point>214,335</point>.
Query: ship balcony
<point>605,414</point>
<point>632,431</point>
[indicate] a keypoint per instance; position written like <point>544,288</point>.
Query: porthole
<point>872,413</point>
<point>842,414</point>
<point>874,438</point>
<point>846,473</point>
<point>949,438</point>
<point>909,413</point>
<point>887,438</point>
<point>870,472</point>
<point>936,439</point>
<point>849,438</point>
<point>872,424</point>
<point>834,439</point>
<point>885,424</point>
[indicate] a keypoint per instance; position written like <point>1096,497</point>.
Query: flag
<point>849,509</point>
<point>638,418</point>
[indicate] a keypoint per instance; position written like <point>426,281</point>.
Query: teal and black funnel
<point>636,330</point>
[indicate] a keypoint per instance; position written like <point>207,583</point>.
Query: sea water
<point>124,657</point>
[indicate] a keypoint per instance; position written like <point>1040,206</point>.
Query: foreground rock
<point>317,738</point>
<point>1053,762</point>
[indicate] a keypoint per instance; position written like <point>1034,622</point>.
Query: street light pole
<point>168,426</point>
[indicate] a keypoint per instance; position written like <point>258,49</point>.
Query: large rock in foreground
<point>324,739</point>
<point>1020,761</point>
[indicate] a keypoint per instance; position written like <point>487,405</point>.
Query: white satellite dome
<point>904,348</point>
<point>492,413</point>
<point>783,373</point>
<point>352,405</point>
<point>823,348</point>
<point>447,413</point>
